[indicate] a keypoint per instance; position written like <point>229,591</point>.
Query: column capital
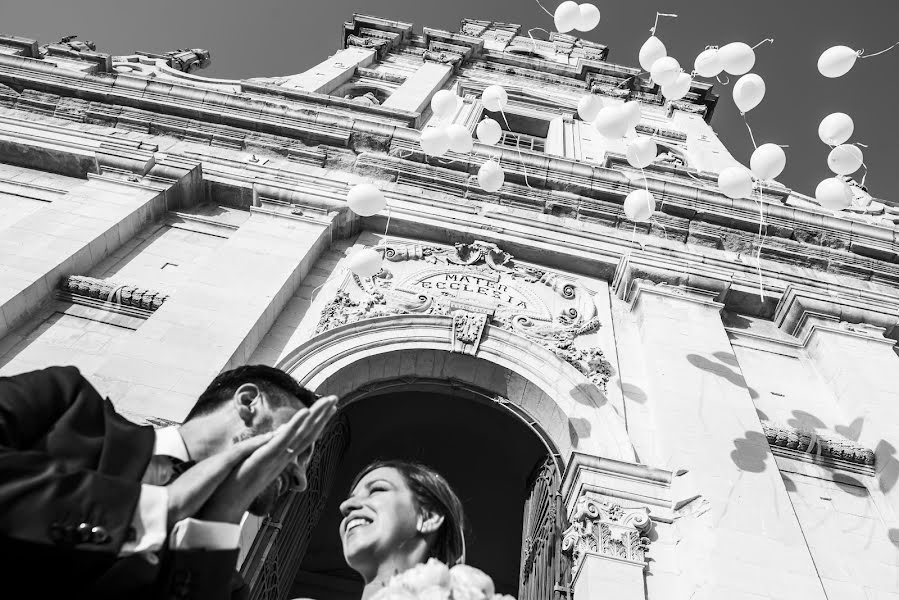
<point>802,310</point>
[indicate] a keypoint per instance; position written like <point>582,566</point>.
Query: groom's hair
<point>281,388</point>
<point>432,493</point>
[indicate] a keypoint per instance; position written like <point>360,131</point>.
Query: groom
<point>104,508</point>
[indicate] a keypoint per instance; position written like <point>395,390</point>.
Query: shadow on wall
<point>721,369</point>
<point>750,452</point>
<point>633,393</point>
<point>578,429</point>
<point>583,391</point>
<point>894,536</point>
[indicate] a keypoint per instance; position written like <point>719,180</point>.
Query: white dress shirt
<point>150,517</point>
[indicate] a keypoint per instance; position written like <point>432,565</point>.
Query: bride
<point>398,515</point>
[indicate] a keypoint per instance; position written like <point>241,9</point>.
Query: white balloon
<point>641,152</point>
<point>611,122</point>
<point>768,161</point>
<point>748,92</point>
<point>365,200</point>
<point>445,103</point>
<point>633,112</point>
<point>679,88</point>
<point>836,61</point>
<point>491,176</point>
<point>495,97</point>
<point>836,128</point>
<point>708,63</point>
<point>435,141</point>
<point>567,16</point>
<point>364,262</point>
<point>737,58</point>
<point>735,182</point>
<point>588,107</point>
<point>589,17</point>
<point>845,159</point>
<point>460,138</point>
<point>652,50</point>
<point>489,132</point>
<point>834,194</point>
<point>639,206</point>
<point>665,70</point>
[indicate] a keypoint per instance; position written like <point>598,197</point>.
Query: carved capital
<point>608,529</point>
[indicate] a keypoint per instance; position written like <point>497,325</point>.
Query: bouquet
<point>433,580</point>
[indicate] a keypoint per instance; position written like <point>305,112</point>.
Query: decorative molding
<point>872,315</point>
<point>100,293</point>
<point>607,529</point>
<point>817,445</point>
<point>490,267</point>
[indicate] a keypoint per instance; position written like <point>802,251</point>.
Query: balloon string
<point>878,53</point>
<point>758,256</point>
<point>656,24</point>
<point>751,137</point>
<point>865,176</point>
<point>762,42</point>
<point>544,9</point>
<point>386,227</point>
<point>645,181</point>
<point>517,147</point>
<point>718,77</point>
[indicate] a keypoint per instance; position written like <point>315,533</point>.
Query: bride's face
<point>379,517</point>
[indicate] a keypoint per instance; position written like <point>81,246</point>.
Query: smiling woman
<point>398,515</point>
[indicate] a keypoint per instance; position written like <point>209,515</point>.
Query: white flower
<point>469,583</point>
<point>434,593</point>
<point>430,574</point>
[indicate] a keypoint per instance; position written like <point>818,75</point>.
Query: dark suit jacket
<point>70,480</point>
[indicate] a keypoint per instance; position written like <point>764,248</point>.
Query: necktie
<point>164,469</point>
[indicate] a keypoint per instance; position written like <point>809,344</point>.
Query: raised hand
<point>189,492</point>
<point>252,476</point>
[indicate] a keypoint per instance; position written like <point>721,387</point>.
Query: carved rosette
<point>607,529</point>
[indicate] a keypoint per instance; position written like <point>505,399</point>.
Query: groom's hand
<point>260,469</point>
<point>189,492</point>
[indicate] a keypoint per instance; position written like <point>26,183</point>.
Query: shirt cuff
<point>149,521</point>
<point>194,534</point>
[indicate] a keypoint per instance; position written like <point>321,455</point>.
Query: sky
<point>256,38</point>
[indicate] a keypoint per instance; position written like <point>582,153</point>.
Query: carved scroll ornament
<point>607,529</point>
<point>576,313</point>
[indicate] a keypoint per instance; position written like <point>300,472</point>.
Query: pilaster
<point>217,320</point>
<point>849,340</point>
<point>74,233</point>
<point>706,429</point>
<point>327,76</point>
<point>415,93</point>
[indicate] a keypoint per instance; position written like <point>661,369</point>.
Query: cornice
<point>803,308</point>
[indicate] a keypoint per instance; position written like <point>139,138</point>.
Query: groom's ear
<point>247,399</point>
<point>429,522</point>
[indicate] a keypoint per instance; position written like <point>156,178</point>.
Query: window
<point>522,141</point>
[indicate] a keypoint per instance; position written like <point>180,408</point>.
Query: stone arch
<point>572,411</point>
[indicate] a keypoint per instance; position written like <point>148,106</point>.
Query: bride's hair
<point>432,493</point>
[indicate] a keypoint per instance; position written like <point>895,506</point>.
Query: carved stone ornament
<point>828,445</point>
<point>489,288</point>
<point>107,291</point>
<point>607,529</point>
<point>468,328</point>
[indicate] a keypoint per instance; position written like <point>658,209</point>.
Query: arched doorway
<point>510,411</point>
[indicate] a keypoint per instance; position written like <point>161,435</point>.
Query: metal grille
<point>523,141</point>
<point>545,570</point>
<point>277,552</point>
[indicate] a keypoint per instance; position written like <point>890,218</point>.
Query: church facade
<point>698,406</point>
